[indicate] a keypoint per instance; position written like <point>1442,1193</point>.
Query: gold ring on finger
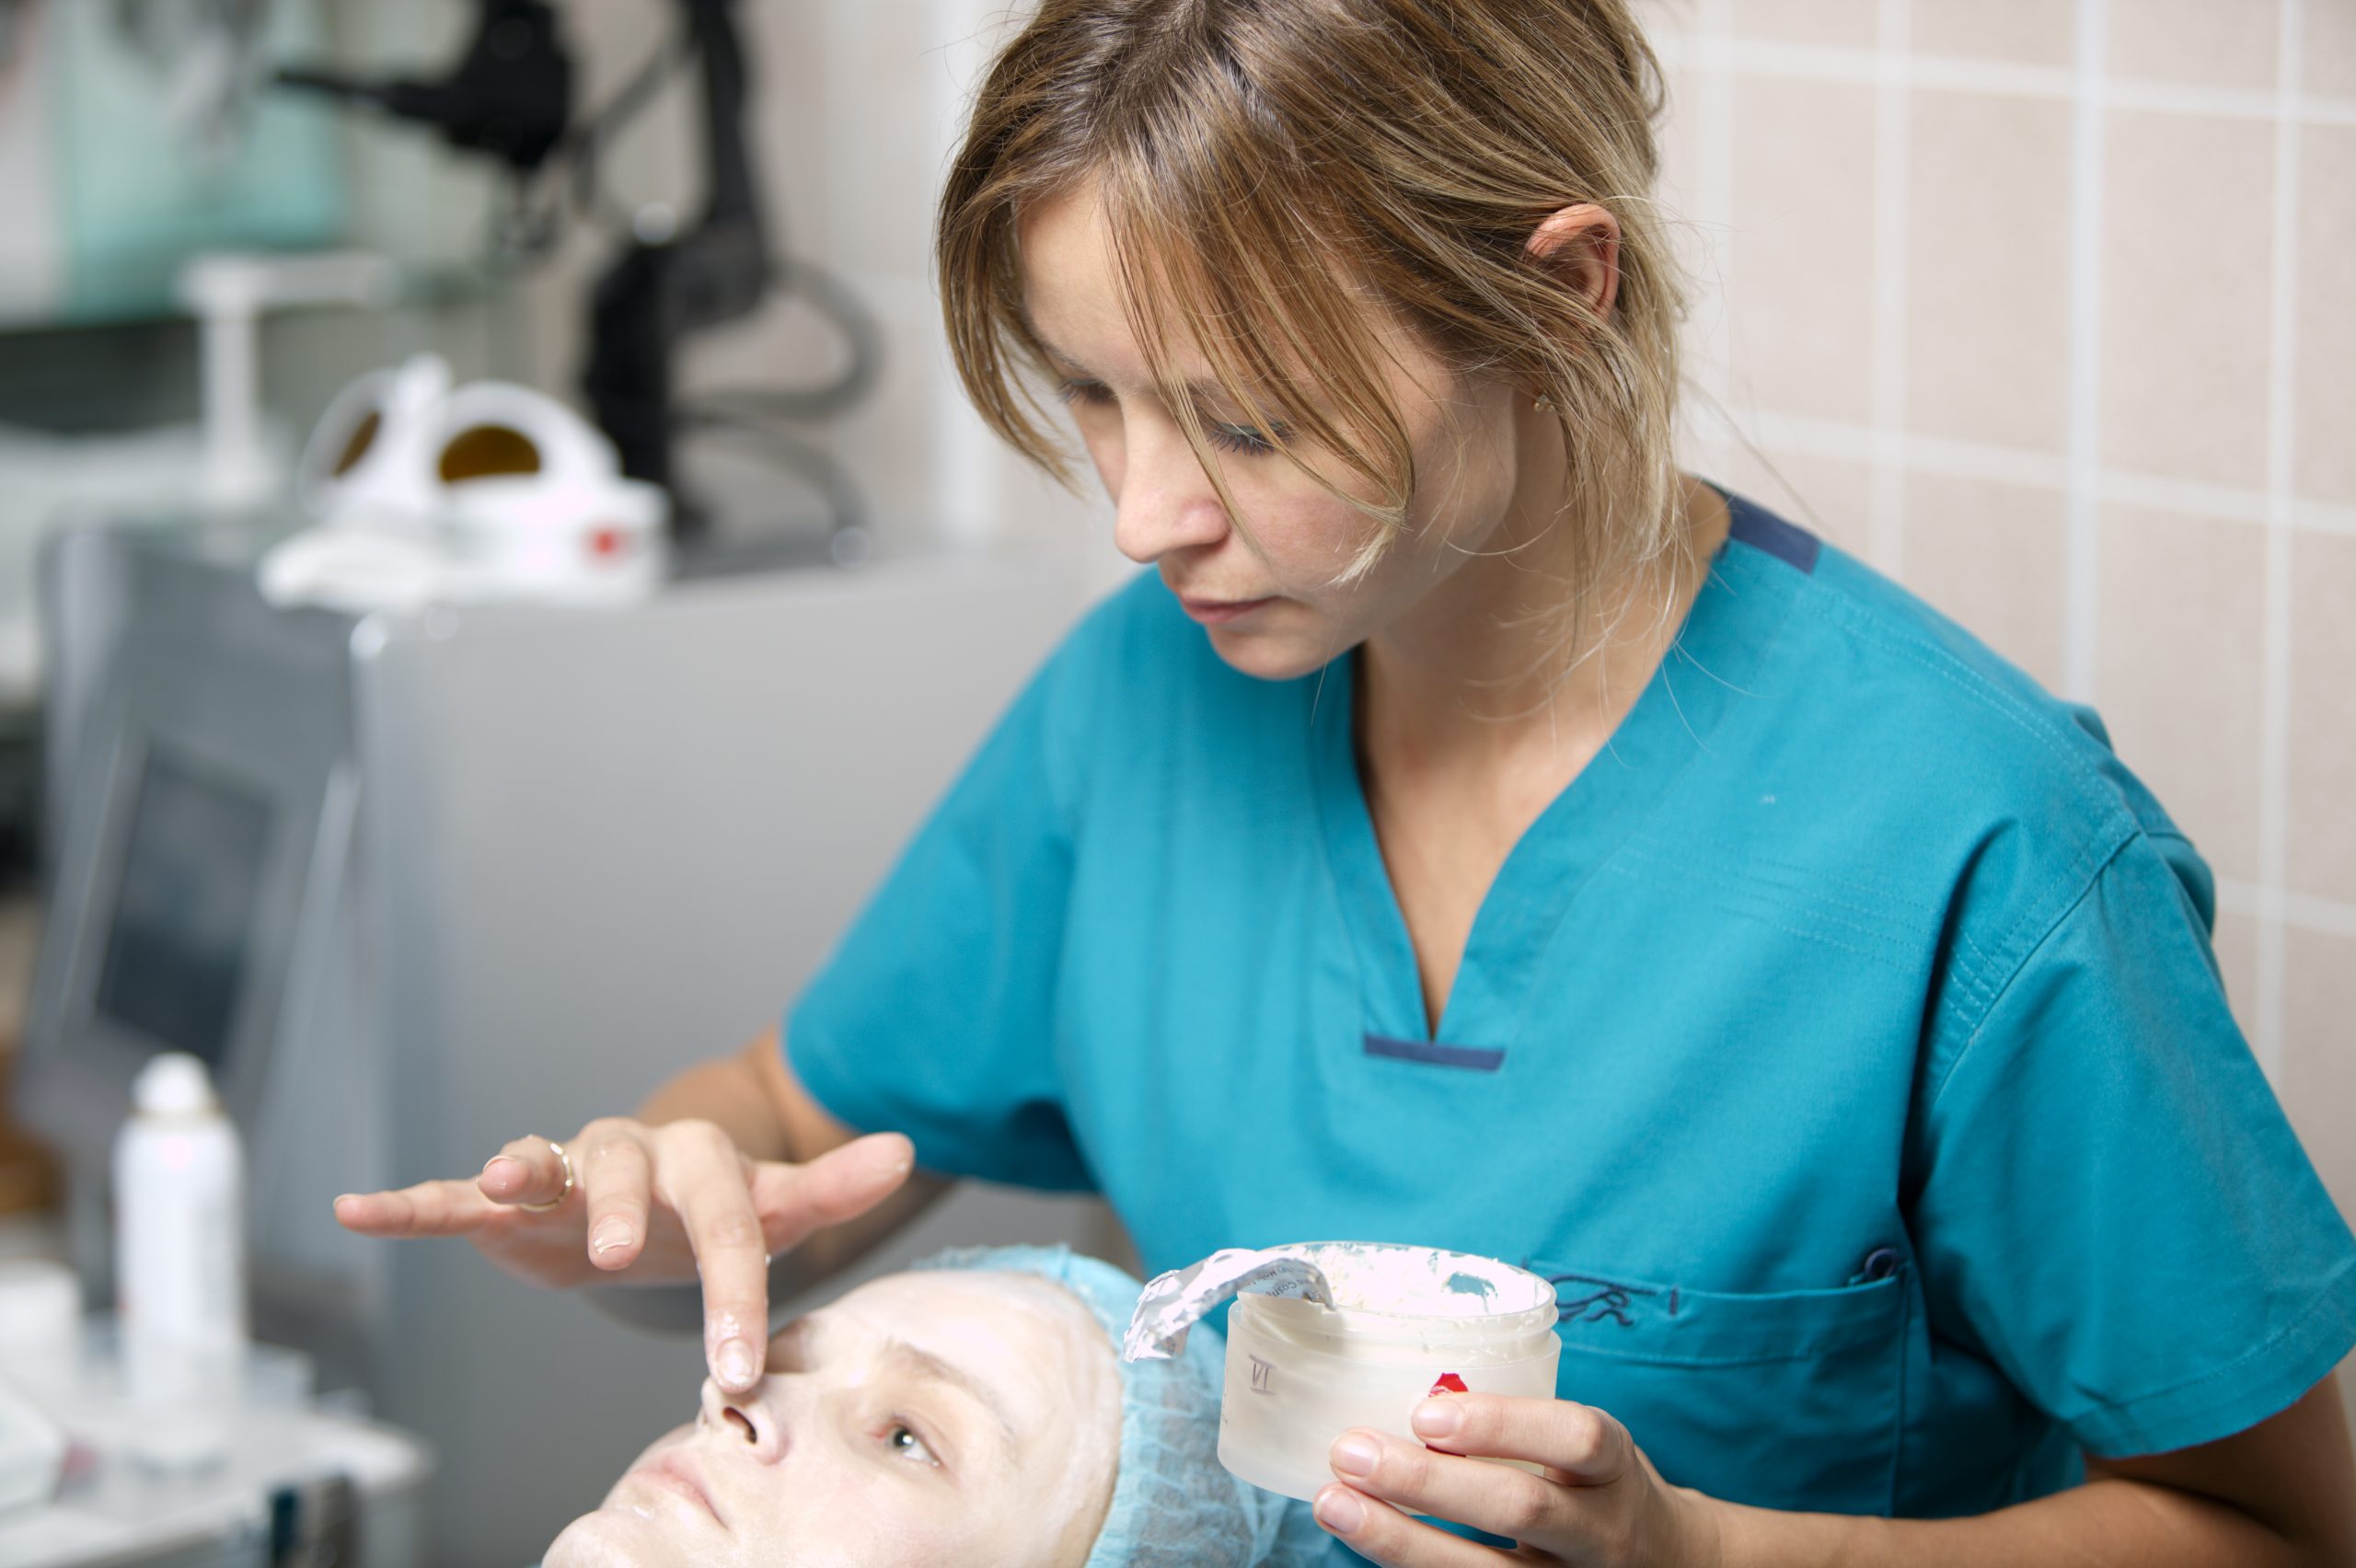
<point>558,1202</point>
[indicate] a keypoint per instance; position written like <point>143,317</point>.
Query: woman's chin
<point>1265,656</point>
<point>612,1537</point>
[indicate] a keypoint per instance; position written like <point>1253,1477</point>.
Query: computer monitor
<point>194,833</point>
<point>179,937</point>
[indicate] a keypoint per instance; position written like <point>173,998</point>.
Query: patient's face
<point>924,1418</point>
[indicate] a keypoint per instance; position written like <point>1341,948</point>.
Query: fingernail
<point>893,1155</point>
<point>610,1235</point>
<point>1355,1456</point>
<point>1437,1418</point>
<point>735,1364</point>
<point>491,1167</point>
<point>1340,1511</point>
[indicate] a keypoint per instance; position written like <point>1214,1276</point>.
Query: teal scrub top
<point>1844,1042</point>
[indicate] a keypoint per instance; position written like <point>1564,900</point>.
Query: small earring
<point>1541,404</point>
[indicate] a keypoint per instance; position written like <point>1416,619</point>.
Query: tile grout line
<point>1887,394</point>
<point>1963,458</point>
<point>2302,911</point>
<point>1715,149</point>
<point>966,518</point>
<point>2281,433</point>
<point>2009,79</point>
<point>1716,137</point>
<point>2081,639</point>
<point>1706,380</point>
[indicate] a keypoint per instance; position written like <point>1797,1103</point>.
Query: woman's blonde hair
<point>1266,167</point>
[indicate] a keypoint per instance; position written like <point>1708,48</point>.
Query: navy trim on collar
<point>1763,530</point>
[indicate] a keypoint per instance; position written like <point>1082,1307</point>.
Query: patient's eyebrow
<point>926,1365</point>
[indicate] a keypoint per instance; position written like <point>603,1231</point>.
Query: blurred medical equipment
<point>179,1221</point>
<point>510,99</point>
<point>298,1483</point>
<point>208,54</point>
<point>41,1310</point>
<point>228,294</point>
<point>232,459</point>
<point>134,132</point>
<point>33,1452</point>
<point>461,873</point>
<point>428,493</point>
<point>345,475</point>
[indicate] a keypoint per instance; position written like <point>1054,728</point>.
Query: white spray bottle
<point>180,1261</point>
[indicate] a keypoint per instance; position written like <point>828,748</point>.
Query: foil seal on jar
<point>1173,1302</point>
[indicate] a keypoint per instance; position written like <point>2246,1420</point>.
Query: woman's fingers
<point>1377,1531</point>
<point>700,1174</point>
<point>430,1208</point>
<point>1582,1449</point>
<point>617,1186</point>
<point>795,1201</point>
<point>528,1170</point>
<point>635,1182</point>
<point>1584,1445</point>
<point>1497,1498</point>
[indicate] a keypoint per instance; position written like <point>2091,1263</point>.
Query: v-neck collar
<point>1727,630</point>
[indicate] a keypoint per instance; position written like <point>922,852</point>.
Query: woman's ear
<point>1582,243</point>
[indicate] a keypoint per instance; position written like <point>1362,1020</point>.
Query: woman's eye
<point>1242,440</point>
<point>905,1444</point>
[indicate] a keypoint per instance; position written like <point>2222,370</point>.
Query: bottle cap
<point>173,1083</point>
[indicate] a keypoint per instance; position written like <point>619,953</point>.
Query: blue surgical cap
<point>1174,1505</point>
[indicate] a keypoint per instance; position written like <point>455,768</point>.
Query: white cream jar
<point>1360,1334</point>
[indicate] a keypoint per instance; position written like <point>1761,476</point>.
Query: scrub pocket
<point>1792,1400</point>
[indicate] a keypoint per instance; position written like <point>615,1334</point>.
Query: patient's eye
<point>904,1442</point>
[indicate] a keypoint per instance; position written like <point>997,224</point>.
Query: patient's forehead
<point>1031,1342</point>
<point>972,1293</point>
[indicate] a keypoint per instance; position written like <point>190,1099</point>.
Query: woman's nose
<point>753,1418</point>
<point>1166,501</point>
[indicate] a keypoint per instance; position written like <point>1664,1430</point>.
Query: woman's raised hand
<point>659,1204</point>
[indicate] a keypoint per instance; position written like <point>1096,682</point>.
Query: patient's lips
<point>672,1471</point>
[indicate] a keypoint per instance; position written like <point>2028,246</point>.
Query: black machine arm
<point>665,286</point>
<point>511,95</point>
<point>511,98</point>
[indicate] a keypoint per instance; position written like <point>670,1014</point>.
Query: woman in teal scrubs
<point>1474,832</point>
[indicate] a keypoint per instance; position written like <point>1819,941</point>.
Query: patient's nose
<point>751,1418</point>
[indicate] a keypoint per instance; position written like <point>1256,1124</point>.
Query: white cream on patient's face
<point>924,1418</point>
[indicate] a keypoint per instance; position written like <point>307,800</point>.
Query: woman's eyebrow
<point>924,1364</point>
<point>1203,390</point>
<point>1063,361</point>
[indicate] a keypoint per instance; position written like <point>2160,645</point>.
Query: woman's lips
<point>675,1474</point>
<point>1217,612</point>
